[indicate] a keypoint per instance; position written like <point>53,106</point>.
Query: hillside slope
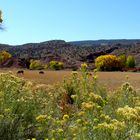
<point>72,54</point>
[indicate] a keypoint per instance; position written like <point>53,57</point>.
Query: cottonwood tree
<point>130,63</point>
<point>108,63</point>
<point>123,59</point>
<point>4,56</point>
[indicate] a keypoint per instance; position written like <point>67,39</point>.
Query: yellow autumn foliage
<point>108,63</point>
<point>4,56</point>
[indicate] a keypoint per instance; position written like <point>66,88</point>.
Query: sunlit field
<point>111,80</point>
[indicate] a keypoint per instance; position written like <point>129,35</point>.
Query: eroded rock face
<point>72,55</point>
<point>92,56</point>
<point>15,63</point>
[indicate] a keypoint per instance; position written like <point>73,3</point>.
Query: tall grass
<point>77,109</point>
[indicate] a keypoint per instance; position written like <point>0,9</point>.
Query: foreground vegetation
<point>78,109</point>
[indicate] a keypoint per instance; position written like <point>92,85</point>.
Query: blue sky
<point>41,20</point>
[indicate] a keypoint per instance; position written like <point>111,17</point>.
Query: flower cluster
<point>84,67</point>
<point>129,114</point>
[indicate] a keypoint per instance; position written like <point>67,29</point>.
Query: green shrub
<point>123,59</point>
<point>130,63</point>
<point>36,65</point>
<point>56,65</point>
<point>45,67</point>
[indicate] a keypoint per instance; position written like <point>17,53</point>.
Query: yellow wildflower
<point>7,110</point>
<point>53,131</point>
<point>96,120</point>
<point>74,129</point>
<point>74,72</point>
<point>41,118</point>
<point>84,128</point>
<point>95,70</point>
<point>65,117</point>
<point>137,136</point>
<point>129,114</point>
<point>1,116</point>
<point>49,117</point>
<point>84,66</point>
<point>60,130</point>
<point>82,113</point>
<point>96,98</point>
<point>74,97</point>
<point>79,121</point>
<point>126,77</point>
<point>85,123</point>
<point>88,106</point>
<point>95,77</point>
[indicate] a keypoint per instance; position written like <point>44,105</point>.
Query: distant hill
<point>106,42</point>
<point>71,53</point>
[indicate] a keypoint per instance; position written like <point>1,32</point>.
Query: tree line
<point>114,63</point>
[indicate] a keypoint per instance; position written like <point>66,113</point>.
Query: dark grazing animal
<point>41,72</point>
<point>20,72</point>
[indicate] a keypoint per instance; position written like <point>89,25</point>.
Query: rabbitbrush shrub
<point>78,109</point>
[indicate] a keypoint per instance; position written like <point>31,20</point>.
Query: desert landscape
<point>69,70</point>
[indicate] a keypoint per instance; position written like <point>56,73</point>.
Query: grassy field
<point>111,80</point>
